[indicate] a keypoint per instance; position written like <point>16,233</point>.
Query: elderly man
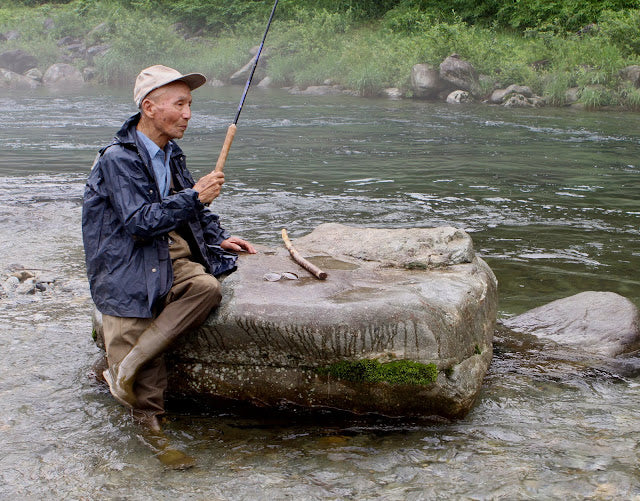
<point>153,248</point>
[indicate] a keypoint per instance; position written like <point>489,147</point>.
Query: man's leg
<point>120,336</point>
<point>193,294</point>
<point>192,297</point>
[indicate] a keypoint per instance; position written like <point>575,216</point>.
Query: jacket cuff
<point>223,236</point>
<point>194,194</point>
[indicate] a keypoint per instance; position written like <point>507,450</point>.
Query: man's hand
<point>208,187</point>
<point>236,244</point>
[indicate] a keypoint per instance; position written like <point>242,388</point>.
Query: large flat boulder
<point>402,326</point>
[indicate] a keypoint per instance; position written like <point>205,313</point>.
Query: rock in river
<point>62,76</point>
<point>593,322</point>
<point>402,326</point>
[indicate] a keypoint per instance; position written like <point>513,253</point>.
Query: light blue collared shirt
<point>159,162</point>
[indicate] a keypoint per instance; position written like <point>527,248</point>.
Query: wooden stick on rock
<point>295,255</point>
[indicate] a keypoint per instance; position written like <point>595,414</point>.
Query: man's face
<point>170,109</point>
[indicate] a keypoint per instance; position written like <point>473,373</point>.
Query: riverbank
<point>108,42</point>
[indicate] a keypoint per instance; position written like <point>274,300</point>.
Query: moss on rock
<point>372,371</point>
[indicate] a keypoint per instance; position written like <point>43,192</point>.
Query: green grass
<point>630,97</point>
<point>597,96</point>
<point>555,88</point>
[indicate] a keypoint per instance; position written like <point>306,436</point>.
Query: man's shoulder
<point>108,147</point>
<point>124,141</point>
<point>117,150</point>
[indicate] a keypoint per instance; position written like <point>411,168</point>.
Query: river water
<point>550,197</point>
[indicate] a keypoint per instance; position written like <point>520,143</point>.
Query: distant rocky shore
<point>454,81</point>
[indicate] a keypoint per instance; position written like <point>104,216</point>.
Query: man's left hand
<point>208,187</point>
<point>237,244</point>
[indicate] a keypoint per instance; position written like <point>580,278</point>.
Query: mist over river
<point>549,196</point>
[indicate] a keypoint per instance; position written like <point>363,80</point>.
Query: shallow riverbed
<point>549,196</point>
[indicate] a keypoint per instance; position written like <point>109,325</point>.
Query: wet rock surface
<point>417,295</point>
<point>603,324</point>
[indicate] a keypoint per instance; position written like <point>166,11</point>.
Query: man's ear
<point>147,107</point>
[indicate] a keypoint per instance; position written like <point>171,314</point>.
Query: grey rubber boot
<point>122,376</point>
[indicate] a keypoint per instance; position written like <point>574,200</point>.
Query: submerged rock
<point>596,323</point>
<point>499,96</point>
<point>23,282</point>
<point>392,93</point>
<point>318,90</point>
<point>517,101</point>
<point>402,326</point>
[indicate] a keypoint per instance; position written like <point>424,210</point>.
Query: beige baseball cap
<point>156,76</point>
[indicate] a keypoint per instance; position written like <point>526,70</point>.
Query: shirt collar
<point>153,148</point>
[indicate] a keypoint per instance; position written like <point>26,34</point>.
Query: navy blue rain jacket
<point>125,224</point>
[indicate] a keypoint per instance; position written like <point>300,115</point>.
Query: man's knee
<point>209,287</point>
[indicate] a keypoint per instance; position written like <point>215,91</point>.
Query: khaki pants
<point>192,296</point>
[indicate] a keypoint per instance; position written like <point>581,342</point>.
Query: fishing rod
<point>231,131</point>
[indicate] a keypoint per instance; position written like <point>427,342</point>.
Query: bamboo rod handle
<point>310,267</point>
<point>222,158</point>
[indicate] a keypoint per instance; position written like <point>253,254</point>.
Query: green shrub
<point>621,29</point>
<point>371,61</point>
<point>365,46</point>
<point>556,15</point>
<point>222,57</point>
<point>362,9</point>
<point>216,15</point>
<point>306,49</point>
<point>138,41</point>
<point>367,79</point>
<point>408,20</point>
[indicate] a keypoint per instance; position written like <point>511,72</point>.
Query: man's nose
<point>186,113</point>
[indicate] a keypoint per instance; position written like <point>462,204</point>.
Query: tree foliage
<point>521,15</point>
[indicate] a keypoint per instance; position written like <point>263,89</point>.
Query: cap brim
<point>193,80</point>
